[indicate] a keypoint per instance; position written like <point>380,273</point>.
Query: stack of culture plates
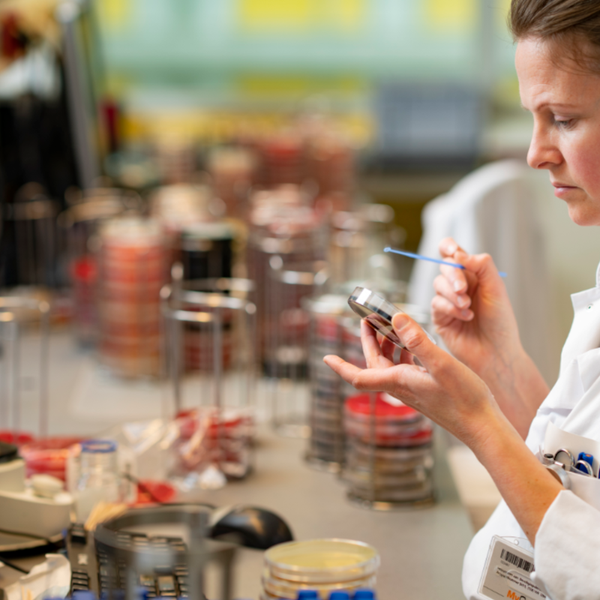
<point>389,454</point>
<point>324,565</point>
<point>326,445</point>
<point>131,272</point>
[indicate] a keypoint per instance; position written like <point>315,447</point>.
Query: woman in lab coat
<point>488,393</point>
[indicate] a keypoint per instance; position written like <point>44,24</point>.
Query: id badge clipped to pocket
<point>507,573</point>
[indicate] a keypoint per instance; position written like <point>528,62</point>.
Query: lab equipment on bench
<point>20,316</point>
<point>79,225</point>
<point>99,478</point>
<point>33,512</point>
<point>117,556</point>
<point>218,432</point>
<point>132,550</point>
<point>286,251</point>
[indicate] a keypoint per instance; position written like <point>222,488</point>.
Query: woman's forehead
<point>543,80</point>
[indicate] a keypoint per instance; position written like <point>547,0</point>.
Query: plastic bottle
<point>98,476</point>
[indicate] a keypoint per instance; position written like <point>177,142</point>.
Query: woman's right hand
<point>472,312</point>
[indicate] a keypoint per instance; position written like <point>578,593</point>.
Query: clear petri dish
<point>281,588</point>
<point>376,311</point>
<point>327,560</point>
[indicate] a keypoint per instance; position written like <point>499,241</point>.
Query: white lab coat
<point>567,551</point>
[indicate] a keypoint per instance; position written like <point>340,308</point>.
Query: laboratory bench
<point>421,549</point>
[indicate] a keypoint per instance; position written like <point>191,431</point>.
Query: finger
<point>388,349</point>
<point>443,312</point>
<point>418,343</point>
<point>405,382</point>
<point>344,369</point>
<point>406,358</point>
<point>444,288</point>
<point>447,247</point>
<point>456,277</point>
<point>371,348</point>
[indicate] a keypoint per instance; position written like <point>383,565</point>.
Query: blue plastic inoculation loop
<point>430,259</point>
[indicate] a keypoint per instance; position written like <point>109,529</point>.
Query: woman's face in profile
<point>566,137</point>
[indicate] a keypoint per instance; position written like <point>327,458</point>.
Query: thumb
<point>417,341</point>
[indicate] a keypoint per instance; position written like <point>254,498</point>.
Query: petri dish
<point>327,560</point>
<point>359,406</point>
<point>376,311</point>
<point>281,588</point>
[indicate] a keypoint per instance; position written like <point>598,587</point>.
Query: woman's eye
<point>563,123</point>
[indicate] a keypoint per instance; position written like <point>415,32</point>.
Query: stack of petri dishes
<point>324,565</point>
<point>131,272</point>
<point>389,453</point>
<point>326,446</point>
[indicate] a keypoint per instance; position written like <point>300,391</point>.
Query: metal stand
<point>34,218</point>
<point>13,315</point>
<point>286,356</point>
<point>224,311</point>
<point>199,553</point>
<point>80,223</point>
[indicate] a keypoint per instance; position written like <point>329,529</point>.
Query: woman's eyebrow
<point>554,105</point>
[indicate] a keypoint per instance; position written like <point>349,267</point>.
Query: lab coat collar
<point>585,330</point>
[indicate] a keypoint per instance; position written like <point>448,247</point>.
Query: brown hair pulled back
<point>571,27</point>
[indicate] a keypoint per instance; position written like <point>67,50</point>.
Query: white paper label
<point>507,573</point>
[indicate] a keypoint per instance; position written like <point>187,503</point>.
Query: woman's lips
<point>562,188</point>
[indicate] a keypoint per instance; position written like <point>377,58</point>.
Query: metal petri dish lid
<point>322,560</point>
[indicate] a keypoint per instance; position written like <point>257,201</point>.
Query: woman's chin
<point>584,217</point>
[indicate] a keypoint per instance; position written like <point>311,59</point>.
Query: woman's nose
<point>543,152</point>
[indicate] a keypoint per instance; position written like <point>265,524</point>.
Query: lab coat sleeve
<point>567,550</point>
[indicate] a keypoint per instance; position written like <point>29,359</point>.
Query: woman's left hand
<point>453,396</point>
<point>443,389</point>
